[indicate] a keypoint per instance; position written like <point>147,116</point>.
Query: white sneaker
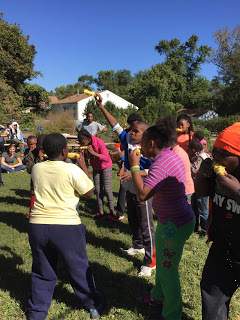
<point>132,251</point>
<point>146,271</point>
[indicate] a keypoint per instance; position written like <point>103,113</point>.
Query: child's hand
<point>126,176</point>
<point>98,99</point>
<point>91,151</point>
<point>81,159</point>
<point>134,157</point>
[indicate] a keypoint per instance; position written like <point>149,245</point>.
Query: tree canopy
<point>16,66</point>
<point>227,60</point>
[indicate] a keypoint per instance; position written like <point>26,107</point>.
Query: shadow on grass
<point>115,226</point>
<point>12,279</point>
<point>13,200</point>
<point>15,220</point>
<point>88,208</point>
<point>17,283</point>
<point>22,193</point>
<point>121,290</point>
<point>111,245</point>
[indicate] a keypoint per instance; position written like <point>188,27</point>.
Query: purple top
<point>166,177</point>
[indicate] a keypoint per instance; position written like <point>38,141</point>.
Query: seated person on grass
<point>11,162</point>
<point>31,145</point>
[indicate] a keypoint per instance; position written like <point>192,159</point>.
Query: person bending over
<point>101,163</point>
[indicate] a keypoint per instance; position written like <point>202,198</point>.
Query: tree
<point>16,66</point>
<point>10,102</point>
<point>227,60</point>
<point>227,55</point>
<point>16,56</point>
<point>200,96</point>
<point>86,81</point>
<point>116,81</point>
<point>157,92</point>
<point>35,96</point>
<point>68,90</point>
<point>184,58</point>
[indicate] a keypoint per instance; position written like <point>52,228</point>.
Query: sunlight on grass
<point>114,274</point>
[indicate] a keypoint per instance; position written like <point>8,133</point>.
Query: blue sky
<point>78,37</point>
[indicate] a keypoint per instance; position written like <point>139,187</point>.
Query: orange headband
<point>229,139</point>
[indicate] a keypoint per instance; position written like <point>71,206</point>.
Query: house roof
<point>53,99</point>
<point>71,99</point>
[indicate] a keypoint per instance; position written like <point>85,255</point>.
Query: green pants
<point>170,241</point>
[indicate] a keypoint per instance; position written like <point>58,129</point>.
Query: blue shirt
<point>145,163</point>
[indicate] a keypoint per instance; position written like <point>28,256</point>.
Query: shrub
<point>62,122</point>
<point>217,124</point>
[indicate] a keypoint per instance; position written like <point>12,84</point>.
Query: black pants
<point>47,243</point>
<point>121,202</point>
<point>220,279</point>
<point>140,219</point>
<point>1,181</point>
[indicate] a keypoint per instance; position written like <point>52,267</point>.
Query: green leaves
<point>227,59</point>
<point>16,66</point>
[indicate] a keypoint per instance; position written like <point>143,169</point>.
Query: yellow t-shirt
<point>57,187</point>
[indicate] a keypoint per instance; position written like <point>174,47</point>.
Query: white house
<point>78,102</point>
<point>208,115</point>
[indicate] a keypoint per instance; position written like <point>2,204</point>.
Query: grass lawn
<point>114,274</point>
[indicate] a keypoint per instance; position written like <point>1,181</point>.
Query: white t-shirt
<point>92,127</point>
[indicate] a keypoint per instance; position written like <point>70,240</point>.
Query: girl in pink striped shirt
<point>166,184</point>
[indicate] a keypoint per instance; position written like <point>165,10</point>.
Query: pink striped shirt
<point>166,177</point>
<point>103,161</point>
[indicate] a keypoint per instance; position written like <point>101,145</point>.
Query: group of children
<point>168,172</point>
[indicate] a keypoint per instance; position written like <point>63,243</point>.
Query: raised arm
<point>110,118</point>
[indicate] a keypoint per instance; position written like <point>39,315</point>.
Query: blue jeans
<point>7,169</point>
<point>200,208</point>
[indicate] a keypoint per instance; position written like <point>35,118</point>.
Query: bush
<point>62,122</point>
<point>216,125</point>
<point>27,121</point>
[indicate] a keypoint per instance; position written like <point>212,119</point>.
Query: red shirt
<point>183,140</point>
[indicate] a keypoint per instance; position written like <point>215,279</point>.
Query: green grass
<point>115,275</point>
